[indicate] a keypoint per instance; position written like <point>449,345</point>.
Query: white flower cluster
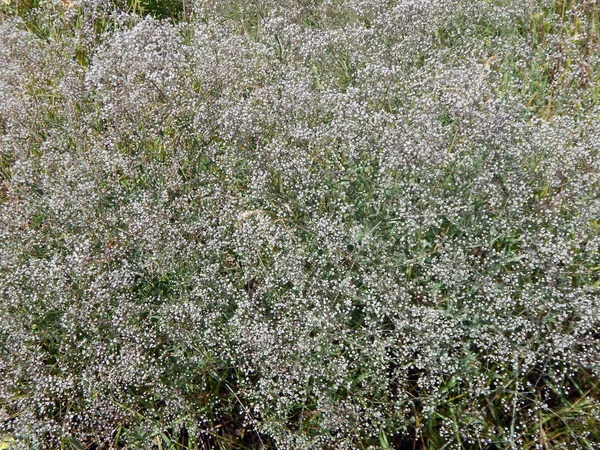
<point>308,224</point>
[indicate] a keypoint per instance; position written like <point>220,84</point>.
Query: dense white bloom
<point>331,220</point>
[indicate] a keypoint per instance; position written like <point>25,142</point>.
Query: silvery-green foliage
<point>333,221</point>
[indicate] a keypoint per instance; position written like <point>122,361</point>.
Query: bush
<point>299,224</point>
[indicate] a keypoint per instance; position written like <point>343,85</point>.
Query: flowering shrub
<point>300,224</point>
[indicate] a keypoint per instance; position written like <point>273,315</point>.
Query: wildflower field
<point>299,224</point>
